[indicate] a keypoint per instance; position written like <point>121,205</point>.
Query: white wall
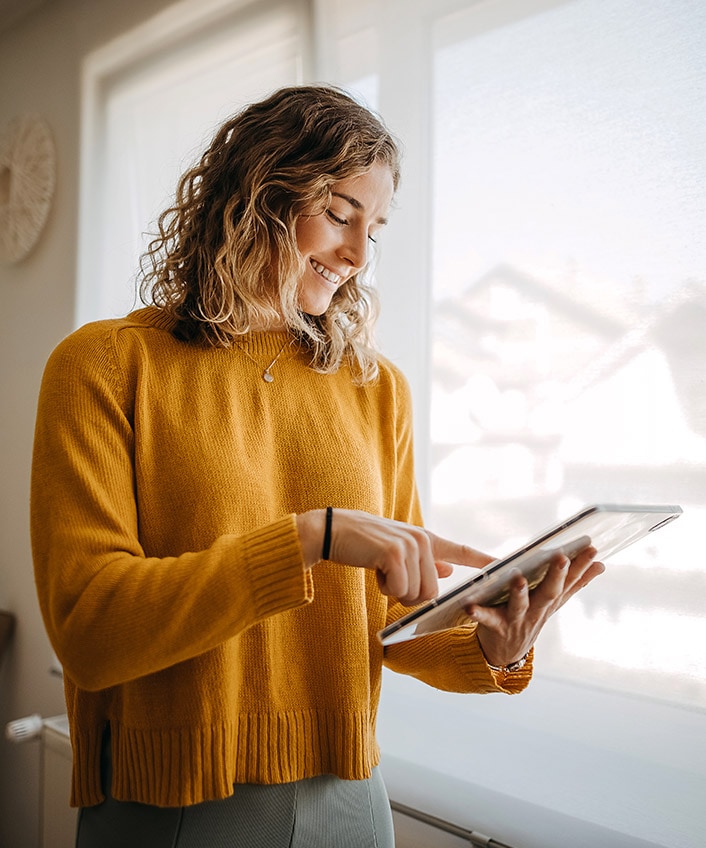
<point>40,67</point>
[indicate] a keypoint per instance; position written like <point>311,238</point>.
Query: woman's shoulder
<point>99,346</point>
<point>106,330</point>
<point>391,386</point>
<point>390,374</point>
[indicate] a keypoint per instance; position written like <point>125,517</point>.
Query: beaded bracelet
<point>513,666</point>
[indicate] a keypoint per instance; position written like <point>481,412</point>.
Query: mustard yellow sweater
<point>165,485</point>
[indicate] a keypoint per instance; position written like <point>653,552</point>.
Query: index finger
<point>448,551</point>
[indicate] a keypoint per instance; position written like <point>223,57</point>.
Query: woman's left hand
<point>507,632</point>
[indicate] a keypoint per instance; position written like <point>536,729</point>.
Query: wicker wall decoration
<point>27,180</point>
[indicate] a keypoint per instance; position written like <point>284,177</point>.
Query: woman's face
<point>335,243</point>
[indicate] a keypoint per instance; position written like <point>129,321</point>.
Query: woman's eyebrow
<point>356,204</point>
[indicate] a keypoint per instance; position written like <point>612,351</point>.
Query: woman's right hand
<point>407,559</point>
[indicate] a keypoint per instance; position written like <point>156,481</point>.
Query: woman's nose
<point>354,249</point>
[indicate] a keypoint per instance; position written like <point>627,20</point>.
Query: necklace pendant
<point>267,377</point>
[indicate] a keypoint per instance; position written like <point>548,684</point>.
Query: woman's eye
<point>344,222</point>
<point>341,221</point>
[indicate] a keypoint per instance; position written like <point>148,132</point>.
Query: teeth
<point>328,275</point>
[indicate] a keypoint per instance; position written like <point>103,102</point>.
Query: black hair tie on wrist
<point>327,533</point>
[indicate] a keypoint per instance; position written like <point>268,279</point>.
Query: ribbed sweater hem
<point>183,766</point>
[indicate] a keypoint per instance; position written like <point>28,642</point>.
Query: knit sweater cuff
<point>462,667</point>
<point>276,565</point>
<point>470,658</point>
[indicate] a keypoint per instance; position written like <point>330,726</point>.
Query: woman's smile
<point>324,272</point>
<point>336,242</point>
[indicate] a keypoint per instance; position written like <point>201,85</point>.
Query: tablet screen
<point>608,527</point>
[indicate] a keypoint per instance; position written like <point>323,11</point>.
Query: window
<point>547,260</point>
<point>569,302</point>
<point>152,100</point>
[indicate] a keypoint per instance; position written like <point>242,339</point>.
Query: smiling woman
<point>215,553</point>
<point>488,97</point>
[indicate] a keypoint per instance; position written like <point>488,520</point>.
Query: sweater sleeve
<point>452,659</point>
<point>112,613</point>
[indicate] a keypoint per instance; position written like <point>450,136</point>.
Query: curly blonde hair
<point>226,257</point>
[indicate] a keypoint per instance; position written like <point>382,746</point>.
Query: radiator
<point>57,821</point>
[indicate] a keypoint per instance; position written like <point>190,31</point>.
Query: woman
<point>224,511</point>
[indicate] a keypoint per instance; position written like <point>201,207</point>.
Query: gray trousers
<point>320,812</point>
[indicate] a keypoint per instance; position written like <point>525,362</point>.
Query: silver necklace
<point>267,374</point>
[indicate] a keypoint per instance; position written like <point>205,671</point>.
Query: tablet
<point>608,527</point>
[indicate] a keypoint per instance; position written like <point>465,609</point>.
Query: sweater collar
<point>261,343</point>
